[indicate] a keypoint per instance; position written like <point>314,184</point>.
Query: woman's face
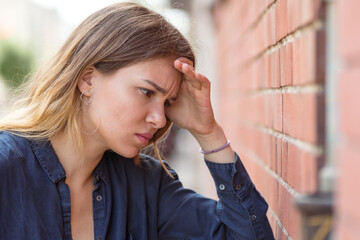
<point>131,103</point>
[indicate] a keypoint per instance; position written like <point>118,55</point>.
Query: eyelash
<point>149,93</point>
<point>146,92</point>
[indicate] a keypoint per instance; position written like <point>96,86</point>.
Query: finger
<point>197,80</point>
<point>196,77</point>
<point>179,65</point>
<point>190,75</point>
<point>185,69</point>
<point>188,70</point>
<point>186,60</point>
<point>204,80</point>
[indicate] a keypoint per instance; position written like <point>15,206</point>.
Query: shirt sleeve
<point>240,212</point>
<point>239,199</point>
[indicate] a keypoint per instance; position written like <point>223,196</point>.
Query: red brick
<point>275,70</point>
<point>267,71</point>
<point>309,173</point>
<point>264,148</point>
<point>262,33</point>
<point>271,27</point>
<point>277,156</point>
<point>278,198</point>
<point>264,63</point>
<point>277,113</point>
<point>293,14</point>
<point>300,116</point>
<point>277,231</point>
<point>281,20</point>
<point>293,166</point>
<point>299,168</point>
<point>304,60</point>
<point>284,161</point>
<point>286,65</point>
<point>308,13</point>
<point>296,62</point>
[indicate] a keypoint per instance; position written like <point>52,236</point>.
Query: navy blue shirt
<point>129,201</point>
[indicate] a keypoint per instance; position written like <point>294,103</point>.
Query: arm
<point>241,211</point>
<point>184,214</point>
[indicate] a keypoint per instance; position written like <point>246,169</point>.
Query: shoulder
<point>12,147</point>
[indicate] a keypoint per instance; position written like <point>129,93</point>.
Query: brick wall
<point>348,194</point>
<point>271,91</point>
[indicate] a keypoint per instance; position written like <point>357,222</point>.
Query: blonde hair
<point>111,38</point>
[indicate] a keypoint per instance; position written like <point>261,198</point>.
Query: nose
<point>156,116</point>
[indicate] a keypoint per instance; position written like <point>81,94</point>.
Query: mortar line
<point>270,7</point>
<point>314,149</point>
<point>255,23</point>
<point>278,178</point>
<point>291,37</point>
<point>302,89</point>
<point>279,223</point>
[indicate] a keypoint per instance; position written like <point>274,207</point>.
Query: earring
<point>97,112</point>
<point>82,100</point>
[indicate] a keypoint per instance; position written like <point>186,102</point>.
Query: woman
<point>70,166</point>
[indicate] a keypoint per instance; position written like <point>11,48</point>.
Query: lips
<point>144,137</point>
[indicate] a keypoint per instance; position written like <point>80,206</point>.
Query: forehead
<point>160,71</point>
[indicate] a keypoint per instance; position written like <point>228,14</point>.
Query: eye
<point>146,92</point>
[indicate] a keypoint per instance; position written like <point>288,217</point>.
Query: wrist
<point>212,139</point>
<point>215,139</point>
<point>216,149</point>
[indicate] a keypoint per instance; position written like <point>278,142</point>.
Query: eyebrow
<point>158,88</point>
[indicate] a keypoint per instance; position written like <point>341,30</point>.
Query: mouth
<point>144,138</point>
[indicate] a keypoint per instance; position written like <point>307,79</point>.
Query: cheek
<point>123,111</point>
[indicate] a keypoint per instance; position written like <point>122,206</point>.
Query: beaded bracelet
<point>215,150</point>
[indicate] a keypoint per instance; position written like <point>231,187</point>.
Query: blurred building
<point>30,26</point>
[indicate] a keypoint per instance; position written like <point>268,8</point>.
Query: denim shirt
<point>129,201</point>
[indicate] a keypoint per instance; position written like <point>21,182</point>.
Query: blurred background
<point>285,79</point>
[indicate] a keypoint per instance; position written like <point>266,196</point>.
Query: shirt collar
<point>50,163</point>
<point>48,160</point>
<point>101,171</point>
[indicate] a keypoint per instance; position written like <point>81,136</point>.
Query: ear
<point>85,82</point>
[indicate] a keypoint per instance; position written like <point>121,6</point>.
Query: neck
<point>78,166</point>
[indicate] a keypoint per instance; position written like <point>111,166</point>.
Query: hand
<point>192,110</point>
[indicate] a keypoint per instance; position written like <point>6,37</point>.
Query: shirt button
<point>222,187</point>
<point>98,237</point>
<point>99,198</point>
<point>253,217</point>
<point>238,187</point>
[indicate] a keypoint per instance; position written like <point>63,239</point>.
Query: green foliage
<point>15,63</point>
